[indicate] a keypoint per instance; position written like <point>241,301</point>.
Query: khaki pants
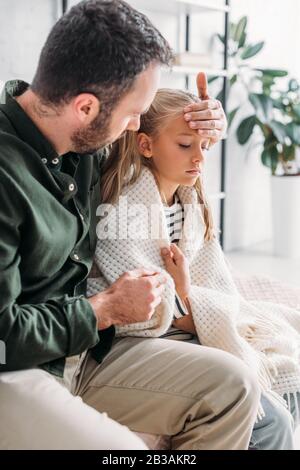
<point>202,397</point>
<point>37,412</point>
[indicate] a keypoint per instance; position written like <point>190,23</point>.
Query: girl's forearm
<point>186,323</point>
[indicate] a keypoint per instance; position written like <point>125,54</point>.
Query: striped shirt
<point>175,219</point>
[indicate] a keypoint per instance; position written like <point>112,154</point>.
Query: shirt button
<point>76,257</point>
<point>55,161</point>
<point>81,216</point>
<point>71,187</point>
<point>44,160</point>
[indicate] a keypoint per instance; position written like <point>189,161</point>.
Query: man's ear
<point>144,143</point>
<point>86,107</point>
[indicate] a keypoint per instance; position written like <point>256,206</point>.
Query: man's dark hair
<point>99,46</point>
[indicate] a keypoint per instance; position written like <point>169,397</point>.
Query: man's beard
<point>94,137</point>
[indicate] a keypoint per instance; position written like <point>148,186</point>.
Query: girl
<point>156,214</point>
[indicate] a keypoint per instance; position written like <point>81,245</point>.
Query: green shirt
<point>47,240</point>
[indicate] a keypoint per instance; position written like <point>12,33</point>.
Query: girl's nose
<point>198,156</point>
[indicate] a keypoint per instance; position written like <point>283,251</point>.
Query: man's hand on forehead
<point>207,115</point>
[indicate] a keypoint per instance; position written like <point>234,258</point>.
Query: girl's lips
<point>193,172</point>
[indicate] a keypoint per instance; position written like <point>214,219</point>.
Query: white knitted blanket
<point>264,335</point>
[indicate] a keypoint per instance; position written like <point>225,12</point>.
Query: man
<point>98,72</point>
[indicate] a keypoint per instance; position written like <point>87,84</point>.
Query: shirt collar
<point>174,205</point>
<point>24,126</point>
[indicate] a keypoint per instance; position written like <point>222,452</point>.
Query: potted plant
<point>275,102</point>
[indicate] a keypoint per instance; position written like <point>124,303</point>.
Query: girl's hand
<point>178,267</point>
<point>185,323</point>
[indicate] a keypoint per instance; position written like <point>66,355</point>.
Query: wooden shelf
<point>204,5</point>
<point>185,70</point>
<point>214,196</point>
<point>187,6</point>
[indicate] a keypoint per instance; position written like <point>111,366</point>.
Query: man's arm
<point>39,333</point>
<point>35,334</point>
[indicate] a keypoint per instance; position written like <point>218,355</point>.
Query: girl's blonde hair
<point>125,163</point>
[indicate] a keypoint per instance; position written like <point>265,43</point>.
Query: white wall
<point>278,23</point>
<point>24,26</point>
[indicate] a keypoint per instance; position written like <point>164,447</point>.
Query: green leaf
<point>296,111</point>
<point>242,40</point>
<point>212,79</point>
<point>233,79</point>
<point>267,83</point>
<point>219,96</point>
<point>245,129</point>
<point>266,158</point>
<point>293,131</point>
<point>279,130</point>
<point>273,72</point>
<point>231,115</point>
<point>274,159</point>
<point>232,28</point>
<point>251,51</point>
<point>221,38</point>
<point>289,153</point>
<point>263,105</point>
<point>270,158</point>
<point>293,85</point>
<point>240,29</point>
<point>277,103</point>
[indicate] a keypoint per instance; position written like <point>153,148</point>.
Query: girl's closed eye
<point>184,146</point>
<point>204,147</point>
